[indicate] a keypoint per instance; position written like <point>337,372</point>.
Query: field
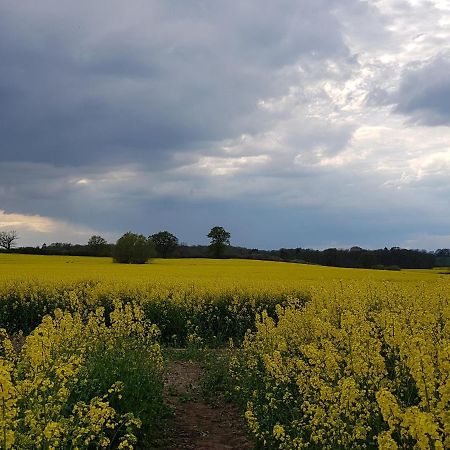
<point>198,272</point>
<point>318,357</point>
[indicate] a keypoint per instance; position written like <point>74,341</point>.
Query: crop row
<point>362,368</point>
<point>343,365</point>
<point>215,316</point>
<point>76,383</point>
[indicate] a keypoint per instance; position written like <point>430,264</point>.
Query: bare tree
<point>8,238</point>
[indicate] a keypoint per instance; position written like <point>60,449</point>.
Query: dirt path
<point>197,424</point>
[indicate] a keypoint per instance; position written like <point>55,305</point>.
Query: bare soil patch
<point>198,424</point>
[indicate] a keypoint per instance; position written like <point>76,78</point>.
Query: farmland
<point>198,272</point>
<point>320,357</point>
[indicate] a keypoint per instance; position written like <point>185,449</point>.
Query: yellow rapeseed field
<point>325,357</point>
<point>193,271</point>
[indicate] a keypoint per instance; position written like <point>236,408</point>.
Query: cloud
<point>33,223</point>
<point>37,228</point>
<point>424,92</point>
<point>428,241</point>
<point>141,83</point>
<point>283,121</point>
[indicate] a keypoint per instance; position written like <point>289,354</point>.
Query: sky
<point>298,123</point>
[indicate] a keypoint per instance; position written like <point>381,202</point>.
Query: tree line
<point>137,248</point>
<point>130,248</point>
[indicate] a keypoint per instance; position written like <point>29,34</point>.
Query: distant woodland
<point>394,258</point>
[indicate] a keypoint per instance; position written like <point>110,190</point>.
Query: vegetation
<point>356,367</point>
<point>220,238</point>
<point>215,312</point>
<point>164,242</point>
<point>70,385</point>
<point>133,248</point>
<point>442,257</point>
<point>360,258</point>
<point>355,257</point>
<point>336,358</point>
<point>98,246</point>
<point>8,239</point>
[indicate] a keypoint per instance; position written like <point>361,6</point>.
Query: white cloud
<point>27,222</point>
<point>220,166</point>
<point>428,241</point>
<point>33,228</point>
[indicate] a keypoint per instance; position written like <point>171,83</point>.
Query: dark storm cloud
<point>179,114</point>
<point>424,93</point>
<point>109,82</point>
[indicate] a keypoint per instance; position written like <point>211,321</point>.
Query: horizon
<point>181,243</point>
<point>298,124</point>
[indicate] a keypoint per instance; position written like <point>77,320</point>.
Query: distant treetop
<point>164,243</point>
<point>220,238</point>
<point>133,248</point>
<point>8,238</point>
<point>98,246</point>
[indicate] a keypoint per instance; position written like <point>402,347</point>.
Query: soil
<point>17,341</point>
<point>198,424</point>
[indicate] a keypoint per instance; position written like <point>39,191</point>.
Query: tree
<point>97,245</point>
<point>164,242</point>
<point>133,248</point>
<point>220,238</point>
<point>8,238</point>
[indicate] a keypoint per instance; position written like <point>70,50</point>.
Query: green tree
<point>97,245</point>
<point>164,243</point>
<point>220,238</point>
<point>133,248</point>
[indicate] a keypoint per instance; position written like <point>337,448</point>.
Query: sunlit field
<point>321,357</point>
<point>198,272</point>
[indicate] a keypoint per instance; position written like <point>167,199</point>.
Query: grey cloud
<point>147,117</point>
<point>345,205</point>
<point>424,93</point>
<point>79,86</point>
